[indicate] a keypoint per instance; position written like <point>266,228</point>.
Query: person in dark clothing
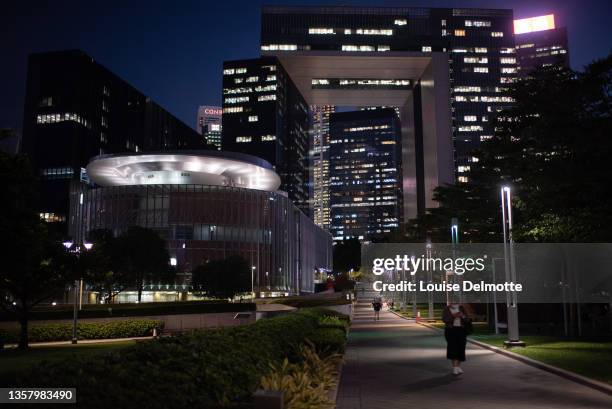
<point>377,305</point>
<point>455,334</point>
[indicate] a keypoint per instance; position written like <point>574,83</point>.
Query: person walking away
<point>377,305</point>
<point>454,317</point>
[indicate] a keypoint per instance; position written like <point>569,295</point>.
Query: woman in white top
<point>455,334</point>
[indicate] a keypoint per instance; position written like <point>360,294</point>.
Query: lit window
<point>236,100</point>
<point>400,22</point>
<point>470,118</point>
<point>480,50</point>
<point>426,49</point>
<point>271,97</point>
<point>459,33</point>
<point>508,70</point>
<point>321,31</point>
<point>475,60</point>
<point>383,48</point>
<point>279,47</point>
<point>374,31</point>
<point>253,118</point>
<point>252,79</point>
<point>347,31</point>
<point>266,138</point>
<point>462,179</point>
<point>477,23</point>
<point>485,137</point>
<point>507,60</point>
<point>481,69</point>
<point>271,78</point>
<point>358,48</point>
<point>228,71</point>
<point>241,70</point>
<point>463,169</point>
<point>497,34</point>
<point>232,110</point>
<point>243,139</point>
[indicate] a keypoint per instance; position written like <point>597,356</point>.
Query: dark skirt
<point>455,343</point>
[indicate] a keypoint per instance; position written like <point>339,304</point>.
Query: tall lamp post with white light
<point>430,301</point>
<point>253,281</point>
<point>78,284</point>
<point>510,269</point>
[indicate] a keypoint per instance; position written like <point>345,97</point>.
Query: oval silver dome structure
<point>184,168</point>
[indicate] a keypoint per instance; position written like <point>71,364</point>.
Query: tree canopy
<point>551,147</point>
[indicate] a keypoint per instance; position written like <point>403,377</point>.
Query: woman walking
<point>454,317</point>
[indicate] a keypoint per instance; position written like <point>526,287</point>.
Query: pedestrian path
<point>397,363</point>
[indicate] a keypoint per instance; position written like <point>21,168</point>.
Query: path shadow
<point>430,383</point>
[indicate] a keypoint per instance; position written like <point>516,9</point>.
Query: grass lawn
<point>592,359</point>
<point>14,362</point>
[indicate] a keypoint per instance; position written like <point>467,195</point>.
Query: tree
<point>223,278</point>
<point>104,273</point>
<point>552,147</point>
<point>347,255</point>
<point>35,266</point>
<point>141,255</point>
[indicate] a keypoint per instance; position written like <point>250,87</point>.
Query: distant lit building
<point>365,174</point>
<point>319,125</point>
<point>265,115</point>
<point>207,205</point>
<point>539,43</point>
<point>76,109</point>
<point>209,124</point>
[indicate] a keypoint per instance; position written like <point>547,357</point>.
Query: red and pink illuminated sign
<point>529,25</point>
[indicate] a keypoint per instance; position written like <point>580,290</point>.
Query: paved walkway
<point>396,363</point>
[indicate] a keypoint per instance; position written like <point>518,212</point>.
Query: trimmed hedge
<point>331,340</point>
<point>85,330</point>
<point>135,310</point>
<point>203,368</point>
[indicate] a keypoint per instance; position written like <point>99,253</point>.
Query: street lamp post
<point>430,303</point>
<point>253,281</point>
<point>510,267</point>
<point>78,298</point>
<point>455,242</point>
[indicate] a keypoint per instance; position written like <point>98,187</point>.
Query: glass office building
<point>365,174</point>
<point>479,43</point>
<point>207,206</point>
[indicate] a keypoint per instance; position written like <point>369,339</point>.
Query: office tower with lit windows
<point>265,115</point>
<point>76,109</point>
<point>319,127</point>
<point>209,124</point>
<point>365,174</point>
<point>539,43</point>
<point>479,43</point>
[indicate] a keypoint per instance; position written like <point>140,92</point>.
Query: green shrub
<point>134,310</point>
<point>305,383</point>
<point>203,368</point>
<point>334,322</point>
<point>331,340</point>
<point>85,330</point>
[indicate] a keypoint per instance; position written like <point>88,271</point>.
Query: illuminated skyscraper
<point>320,163</point>
<point>539,43</point>
<point>209,124</point>
<point>365,174</point>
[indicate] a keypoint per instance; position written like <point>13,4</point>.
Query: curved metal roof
<point>184,168</point>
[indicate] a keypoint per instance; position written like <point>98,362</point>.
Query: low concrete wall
<point>346,309</point>
<point>172,323</point>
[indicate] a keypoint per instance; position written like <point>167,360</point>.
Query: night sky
<point>173,50</point>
